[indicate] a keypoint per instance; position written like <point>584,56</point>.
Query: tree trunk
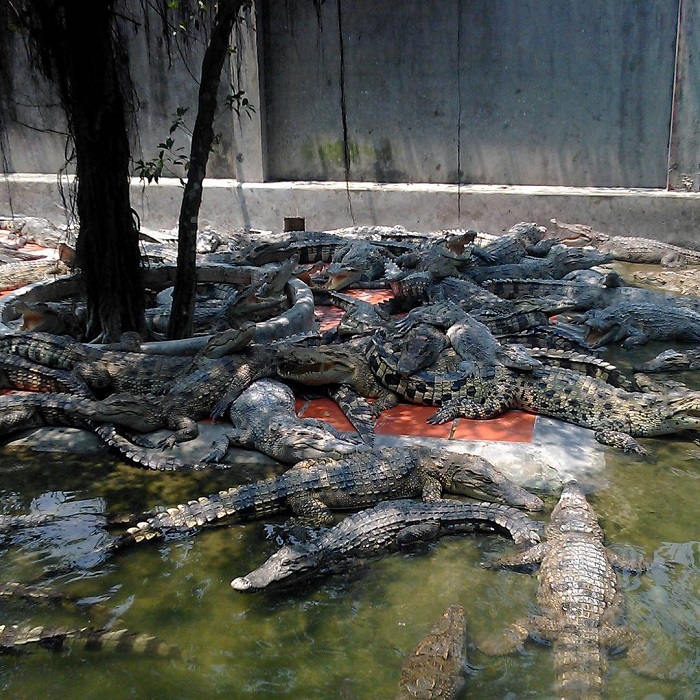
<point>107,249</point>
<point>182,315</point>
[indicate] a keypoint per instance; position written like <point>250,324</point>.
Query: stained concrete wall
<point>477,91</point>
<point>602,93</point>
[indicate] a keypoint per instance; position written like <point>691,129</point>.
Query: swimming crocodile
<point>384,528</point>
<point>264,419</point>
<point>437,668</point>
<point>313,487</point>
<point>15,638</point>
<point>578,595</point>
<point>617,416</point>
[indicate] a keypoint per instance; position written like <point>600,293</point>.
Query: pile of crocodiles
<point>472,324</point>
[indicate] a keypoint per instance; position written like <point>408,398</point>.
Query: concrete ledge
<point>229,205</point>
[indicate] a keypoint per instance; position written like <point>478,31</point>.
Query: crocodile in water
<point>313,487</point>
<point>437,668</point>
<point>382,529</point>
<point>578,595</point>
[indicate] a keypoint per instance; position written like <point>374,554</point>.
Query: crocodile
<point>313,487</point>
<point>578,595</point>
<point>18,274</point>
<point>683,282</point>
<point>672,360</point>
<point>511,247</point>
<point>15,639</point>
<point>31,410</point>
<point>264,418</point>
<point>636,323</point>
<point>356,264</point>
<point>206,391</point>
<point>22,520</point>
<point>617,416</point>
<point>340,363</point>
<point>559,262</point>
<point>471,339</point>
<point>448,256</point>
<point>634,249</point>
<point>379,530</point>
<point>437,667</point>
<point>360,316</point>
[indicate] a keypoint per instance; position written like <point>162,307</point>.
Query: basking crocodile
<point>684,282</point>
<point>206,391</point>
<point>471,339</point>
<point>636,323</point>
<point>264,418</point>
<point>104,371</point>
<point>578,595</point>
<point>340,363</point>
<point>313,487</point>
<point>511,247</point>
<point>356,264</point>
<point>617,416</point>
<point>437,667</point>
<point>31,410</point>
<point>379,530</point>
<point>632,249</point>
<point>559,262</point>
<point>672,360</point>
<point>18,274</point>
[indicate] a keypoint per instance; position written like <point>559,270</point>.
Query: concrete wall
<point>479,91</point>
<point>527,99</point>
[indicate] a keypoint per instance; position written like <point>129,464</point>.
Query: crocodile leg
<point>511,639</point>
<point>622,441</point>
<point>357,411</point>
<point>491,407</point>
<point>310,508</point>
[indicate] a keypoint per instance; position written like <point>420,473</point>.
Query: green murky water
<point>338,638</point>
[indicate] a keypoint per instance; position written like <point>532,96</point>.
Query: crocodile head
<point>573,514</point>
<point>419,349</point>
<point>317,365</point>
<point>309,441</point>
<point>341,275</point>
<point>602,327</point>
<point>664,414</point>
<point>290,564</point>
<point>668,361</point>
<point>138,413</point>
<point>474,476</point>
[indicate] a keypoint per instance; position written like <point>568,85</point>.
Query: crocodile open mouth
<point>339,280</point>
<point>597,337</point>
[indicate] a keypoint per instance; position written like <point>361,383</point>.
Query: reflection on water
<point>341,637</point>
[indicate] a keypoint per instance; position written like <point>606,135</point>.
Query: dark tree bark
<point>181,318</point>
<point>107,249</point>
<point>76,45</point>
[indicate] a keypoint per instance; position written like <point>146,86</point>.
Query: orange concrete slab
<point>512,426</point>
<point>326,410</point>
<point>407,419</point>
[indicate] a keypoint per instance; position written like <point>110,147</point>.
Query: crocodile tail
<point>15,637</point>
